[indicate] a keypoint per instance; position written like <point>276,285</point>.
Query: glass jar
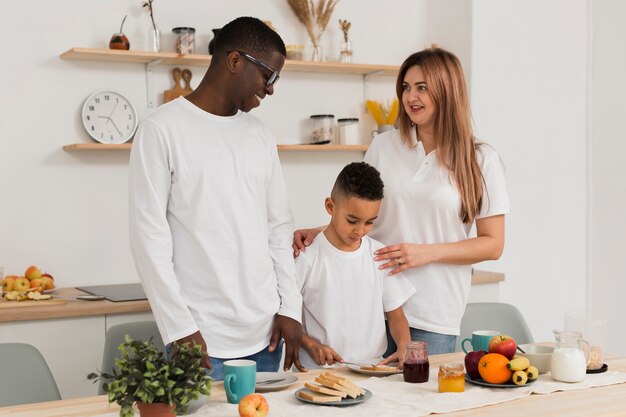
<point>451,377</point>
<point>415,365</point>
<point>348,131</point>
<point>322,128</point>
<point>185,40</point>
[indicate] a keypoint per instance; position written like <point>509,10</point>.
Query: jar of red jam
<point>415,365</point>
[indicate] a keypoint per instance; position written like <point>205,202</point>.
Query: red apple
<point>37,284</point>
<point>253,405</point>
<point>32,272</point>
<point>47,282</point>
<point>471,363</point>
<point>504,345</point>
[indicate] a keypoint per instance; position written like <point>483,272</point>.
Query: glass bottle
<point>570,356</point>
<point>154,39</point>
<point>416,366</point>
<point>345,53</point>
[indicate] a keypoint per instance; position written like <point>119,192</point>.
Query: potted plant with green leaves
<point>144,375</point>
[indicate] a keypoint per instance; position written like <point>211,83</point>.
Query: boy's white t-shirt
<point>344,298</point>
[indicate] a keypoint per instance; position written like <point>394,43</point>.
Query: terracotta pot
<point>155,410</point>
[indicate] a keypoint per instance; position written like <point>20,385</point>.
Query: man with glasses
<point>210,223</point>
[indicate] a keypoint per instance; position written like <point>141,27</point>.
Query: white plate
<point>286,379</point>
<point>344,402</point>
<point>357,368</point>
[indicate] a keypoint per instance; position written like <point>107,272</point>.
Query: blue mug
<point>480,340</point>
<point>239,379</point>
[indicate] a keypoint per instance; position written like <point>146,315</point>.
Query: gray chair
<point>140,330</point>
<point>25,376</point>
<point>502,317</point>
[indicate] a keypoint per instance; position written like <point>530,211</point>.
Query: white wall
<point>529,102</point>
<point>608,146</point>
<point>67,212</point>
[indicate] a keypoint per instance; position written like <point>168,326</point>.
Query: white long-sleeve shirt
<point>211,228</point>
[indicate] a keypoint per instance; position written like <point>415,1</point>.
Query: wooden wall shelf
<point>172,58</point>
<point>282,148</point>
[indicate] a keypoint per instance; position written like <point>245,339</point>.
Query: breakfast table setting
<point>598,394</point>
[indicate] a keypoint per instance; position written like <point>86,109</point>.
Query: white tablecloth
<point>393,397</point>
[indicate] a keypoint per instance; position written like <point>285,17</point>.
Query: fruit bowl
<point>539,356</point>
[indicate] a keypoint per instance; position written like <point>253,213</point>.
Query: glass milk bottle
<point>570,356</point>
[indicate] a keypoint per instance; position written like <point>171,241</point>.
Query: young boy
<point>344,294</point>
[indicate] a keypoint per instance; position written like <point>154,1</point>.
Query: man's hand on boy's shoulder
<point>291,331</point>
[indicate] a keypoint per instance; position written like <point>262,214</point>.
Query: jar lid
<point>322,116</point>
<point>184,29</point>
<point>348,119</point>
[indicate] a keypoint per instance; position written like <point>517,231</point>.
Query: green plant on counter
<point>144,374</point>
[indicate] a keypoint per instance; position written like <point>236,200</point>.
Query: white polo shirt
<point>422,206</point>
<point>345,297</point>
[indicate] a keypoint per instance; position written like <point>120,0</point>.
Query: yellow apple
<point>21,284</point>
<point>9,282</point>
<point>253,405</point>
<point>32,272</point>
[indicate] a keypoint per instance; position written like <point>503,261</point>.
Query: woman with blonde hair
<point>439,182</point>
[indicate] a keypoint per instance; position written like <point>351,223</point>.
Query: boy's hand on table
<point>398,356</point>
<point>321,354</point>
<point>195,339</point>
<point>291,331</point>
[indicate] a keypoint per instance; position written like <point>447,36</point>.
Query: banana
<point>532,372</point>
<point>519,377</point>
<point>518,363</point>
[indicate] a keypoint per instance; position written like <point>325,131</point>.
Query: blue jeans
<point>266,361</point>
<point>437,342</point>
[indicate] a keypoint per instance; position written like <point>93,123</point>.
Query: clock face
<point>109,117</point>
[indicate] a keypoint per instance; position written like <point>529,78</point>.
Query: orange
<point>492,368</point>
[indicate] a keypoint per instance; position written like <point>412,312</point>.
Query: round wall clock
<point>109,117</point>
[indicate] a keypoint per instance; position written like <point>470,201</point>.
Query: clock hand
<point>114,107</point>
<point>105,117</point>
<point>115,126</point>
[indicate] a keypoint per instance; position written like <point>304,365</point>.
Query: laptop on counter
<point>117,292</point>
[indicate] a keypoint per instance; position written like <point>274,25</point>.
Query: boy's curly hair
<point>361,180</point>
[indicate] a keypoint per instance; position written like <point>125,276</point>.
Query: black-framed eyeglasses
<point>272,78</point>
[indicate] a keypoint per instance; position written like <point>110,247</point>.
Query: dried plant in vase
<point>345,52</point>
<point>155,34</point>
<point>315,19</point>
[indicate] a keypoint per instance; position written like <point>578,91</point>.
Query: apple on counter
<point>504,345</point>
<point>472,359</point>
<point>253,405</point>
<point>32,272</point>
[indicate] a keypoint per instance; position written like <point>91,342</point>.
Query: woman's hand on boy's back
<point>403,256</point>
<point>321,354</point>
